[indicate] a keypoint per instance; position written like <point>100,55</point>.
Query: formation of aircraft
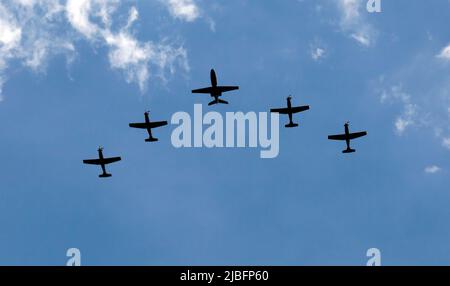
<point>102,161</point>
<point>216,91</point>
<point>289,111</point>
<point>148,125</point>
<point>347,137</point>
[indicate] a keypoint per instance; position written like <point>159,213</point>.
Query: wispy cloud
<point>432,169</point>
<point>34,31</point>
<point>445,53</point>
<point>317,53</point>
<point>126,53</point>
<point>28,32</point>
<point>353,22</point>
<point>409,115</point>
<point>423,94</point>
<point>446,142</point>
<point>186,10</point>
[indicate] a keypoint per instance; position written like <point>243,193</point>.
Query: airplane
<point>215,90</point>
<point>289,111</point>
<point>347,137</point>
<point>102,162</point>
<point>149,126</point>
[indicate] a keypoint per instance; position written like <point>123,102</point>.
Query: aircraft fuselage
<point>149,130</point>
<point>214,91</point>
<point>100,154</point>
<point>347,135</point>
<point>289,107</point>
<point>101,158</point>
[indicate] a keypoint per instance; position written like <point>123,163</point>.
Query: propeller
<point>100,148</point>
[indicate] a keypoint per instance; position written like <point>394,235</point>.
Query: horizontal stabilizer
<point>105,175</point>
<point>151,140</point>
<point>291,125</point>
<point>217,102</point>
<point>349,151</point>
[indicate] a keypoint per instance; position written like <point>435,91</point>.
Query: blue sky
<point>75,73</point>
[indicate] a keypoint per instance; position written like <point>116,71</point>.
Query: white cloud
<point>317,53</point>
<point>425,106</point>
<point>126,52</point>
<point>28,34</point>
<point>445,53</point>
<point>361,38</point>
<point>446,142</point>
<point>183,9</point>
<point>408,118</point>
<point>432,169</point>
<point>133,17</point>
<point>350,9</point>
<point>409,114</point>
<point>33,31</point>
<point>78,14</point>
<point>353,22</point>
<point>134,57</point>
<point>10,34</point>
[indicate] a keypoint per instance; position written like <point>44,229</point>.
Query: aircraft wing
<point>227,88</point>
<point>280,110</point>
<point>340,137</point>
<point>138,125</point>
<point>207,90</point>
<point>92,162</point>
<point>357,135</point>
<point>300,109</point>
<point>157,124</point>
<point>111,160</point>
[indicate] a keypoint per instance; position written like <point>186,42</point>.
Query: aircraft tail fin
<point>105,175</point>
<point>151,139</point>
<point>349,150</point>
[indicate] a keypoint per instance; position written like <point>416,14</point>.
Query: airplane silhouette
<point>149,126</point>
<point>215,90</point>
<point>289,111</point>
<point>102,162</point>
<point>347,137</point>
